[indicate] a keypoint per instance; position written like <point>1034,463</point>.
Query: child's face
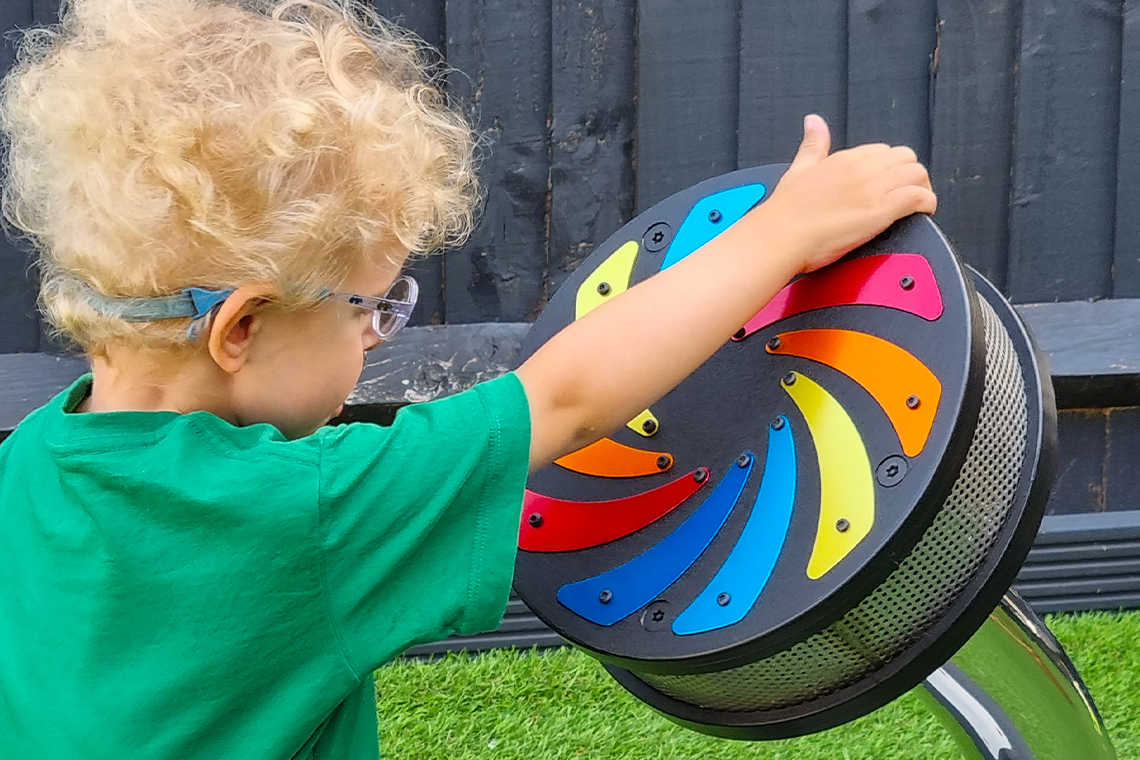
<point>302,366</point>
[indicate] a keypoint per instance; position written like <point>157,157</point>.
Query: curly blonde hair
<point>160,144</point>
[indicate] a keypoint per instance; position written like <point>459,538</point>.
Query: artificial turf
<point>561,704</point>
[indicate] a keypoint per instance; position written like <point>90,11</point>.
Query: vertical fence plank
<point>889,52</point>
<point>45,11</point>
<point>1063,217</point>
<point>1126,257</point>
<point>426,19</point>
<point>19,323</point>
<point>501,49</point>
<point>1080,486</point>
<point>687,94</point>
<point>972,128</point>
<point>591,167</point>
<point>793,61</point>
<point>1122,452</point>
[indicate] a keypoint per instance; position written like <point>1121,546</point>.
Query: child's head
<point>290,147</point>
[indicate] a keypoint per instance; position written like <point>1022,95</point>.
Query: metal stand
<point>1013,694</point>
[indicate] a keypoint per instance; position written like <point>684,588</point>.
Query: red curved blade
<point>558,525</point>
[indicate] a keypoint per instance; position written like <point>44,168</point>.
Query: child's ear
<point>235,325</point>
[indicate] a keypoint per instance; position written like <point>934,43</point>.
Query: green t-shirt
<point>177,587</point>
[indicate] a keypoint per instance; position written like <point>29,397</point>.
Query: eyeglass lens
<point>402,297</point>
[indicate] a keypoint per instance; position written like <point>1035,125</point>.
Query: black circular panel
<point>781,382</point>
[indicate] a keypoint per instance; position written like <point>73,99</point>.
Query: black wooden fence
<point>1026,111</point>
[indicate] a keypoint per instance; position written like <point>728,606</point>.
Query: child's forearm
<point>602,370</point>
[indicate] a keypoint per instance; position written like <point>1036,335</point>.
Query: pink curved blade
<point>880,280</point>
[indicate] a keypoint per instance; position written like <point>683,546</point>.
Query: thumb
<point>816,144</point>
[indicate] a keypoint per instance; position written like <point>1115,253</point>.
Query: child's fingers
<point>901,154</point>
<point>905,174</point>
<point>867,150</point>
<point>910,199</point>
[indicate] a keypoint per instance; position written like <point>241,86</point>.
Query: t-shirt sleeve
<point>420,520</point>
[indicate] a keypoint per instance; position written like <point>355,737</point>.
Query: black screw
<point>535,520</point>
<point>663,462</point>
<point>606,596</point>
<point>778,423</point>
<point>842,524</point>
<point>891,471</point>
<point>723,599</point>
<point>907,282</point>
<point>740,334</point>
<point>655,615</point>
<point>603,288</point>
<point>774,344</point>
<point>912,402</point>
<point>714,216</point>
<point>656,237</point>
<point>790,378</point>
<point>649,426</point>
<point>701,475</point>
<point>744,460</point>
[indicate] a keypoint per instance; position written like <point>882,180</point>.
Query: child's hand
<point>606,367</point>
<point>831,204</point>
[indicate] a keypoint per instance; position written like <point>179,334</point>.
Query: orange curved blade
<point>888,372</point>
<point>609,459</point>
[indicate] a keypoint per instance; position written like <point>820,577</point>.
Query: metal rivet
<point>842,524</point>
<point>778,423</point>
<point>714,216</point>
<point>723,599</point>
<point>649,426</point>
<point>603,288</point>
<point>774,344</point>
<point>663,462</point>
<point>912,402</point>
<point>744,460</point>
<point>535,520</point>
<point>740,334</point>
<point>790,378</point>
<point>907,282</point>
<point>606,596</point>
<point>701,475</point>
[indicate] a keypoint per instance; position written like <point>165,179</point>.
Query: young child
<point>222,197</point>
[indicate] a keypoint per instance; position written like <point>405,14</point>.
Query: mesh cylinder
<point>927,581</point>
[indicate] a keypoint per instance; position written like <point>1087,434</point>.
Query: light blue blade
<point>698,229</point>
<point>638,582</point>
<point>748,567</point>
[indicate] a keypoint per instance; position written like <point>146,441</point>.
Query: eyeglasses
<point>392,311</point>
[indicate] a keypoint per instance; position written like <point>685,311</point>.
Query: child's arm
<point>603,369</point>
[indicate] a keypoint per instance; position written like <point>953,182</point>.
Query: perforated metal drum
<point>819,516</point>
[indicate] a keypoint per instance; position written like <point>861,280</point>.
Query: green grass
<point>561,704</point>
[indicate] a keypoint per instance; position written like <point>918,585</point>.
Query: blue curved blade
<point>638,582</point>
<point>698,229</point>
<point>748,567</point>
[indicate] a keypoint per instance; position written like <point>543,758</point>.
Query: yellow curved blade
<point>637,424</point>
<point>846,485</point>
<point>615,272</point>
